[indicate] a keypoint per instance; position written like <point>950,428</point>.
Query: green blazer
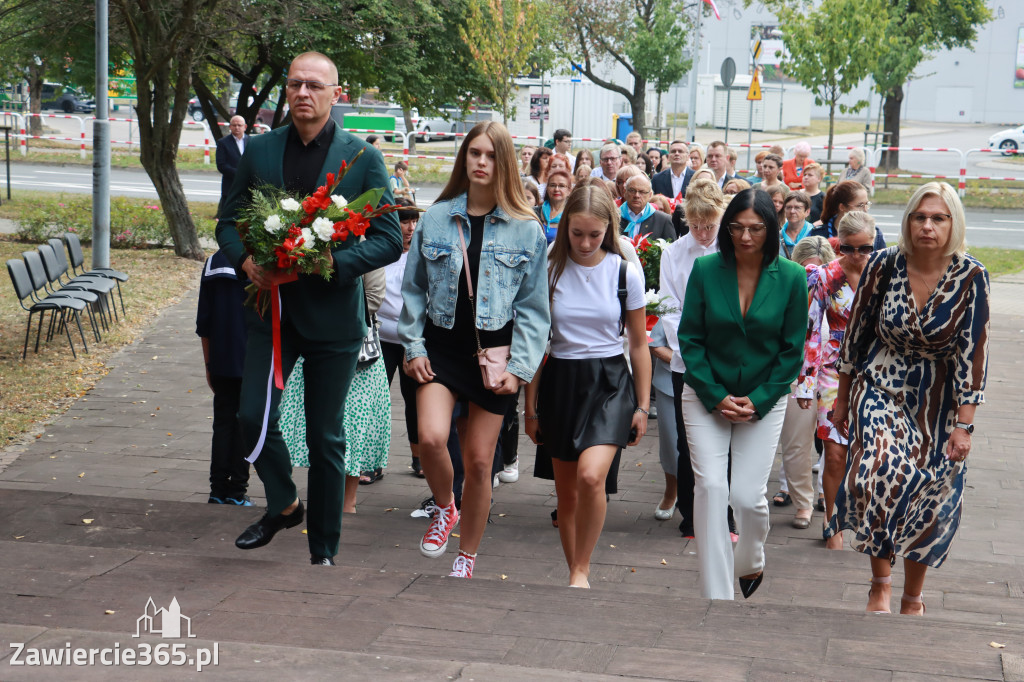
<point>757,356</point>
<point>320,310</point>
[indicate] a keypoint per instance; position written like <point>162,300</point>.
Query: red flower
<point>285,257</point>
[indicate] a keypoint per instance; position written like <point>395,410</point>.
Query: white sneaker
<point>510,474</point>
<point>496,481</point>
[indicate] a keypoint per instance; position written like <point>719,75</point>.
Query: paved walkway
<point>106,509</point>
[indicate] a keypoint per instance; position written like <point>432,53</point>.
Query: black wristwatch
<point>969,428</point>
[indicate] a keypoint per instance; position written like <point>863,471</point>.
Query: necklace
<point>587,272</point>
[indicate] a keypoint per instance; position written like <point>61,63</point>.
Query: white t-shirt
<point>585,313</point>
<point>391,307</point>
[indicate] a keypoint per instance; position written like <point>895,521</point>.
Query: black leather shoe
<point>748,586</point>
<point>263,531</point>
<point>321,560</point>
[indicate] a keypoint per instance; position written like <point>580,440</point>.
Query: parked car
<point>264,116</point>
<point>194,110</point>
<point>400,121</point>
<point>66,99</point>
<point>1009,140</point>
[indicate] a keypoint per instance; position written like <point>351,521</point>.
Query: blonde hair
<point>957,233</point>
<point>508,188</point>
<point>854,223</point>
<point>584,200</point>
<point>813,247</point>
<point>740,183</point>
<point>816,168</point>
<point>704,201</point>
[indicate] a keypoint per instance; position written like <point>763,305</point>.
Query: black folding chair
<point>77,259</point>
<point>56,269</point>
<point>55,304</point>
<point>42,290</point>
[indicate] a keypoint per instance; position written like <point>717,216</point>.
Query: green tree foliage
<point>645,37</point>
<point>914,29</point>
<point>500,35</point>
<point>831,49</point>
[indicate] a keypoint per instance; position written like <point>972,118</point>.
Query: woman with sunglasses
<point>832,287</point>
<point>911,375</point>
<point>741,338</point>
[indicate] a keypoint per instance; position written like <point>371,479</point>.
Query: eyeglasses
<point>562,187</point>
<point>863,206</point>
<point>295,84</point>
<point>737,230</point>
<point>637,192</point>
<point>795,206</point>
<point>938,220</point>
<point>865,250</point>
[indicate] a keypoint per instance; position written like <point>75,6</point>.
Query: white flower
<point>652,297</point>
<point>307,234</point>
<point>272,223</point>
<point>324,228</point>
<point>339,201</point>
<point>662,243</point>
<point>290,204</point>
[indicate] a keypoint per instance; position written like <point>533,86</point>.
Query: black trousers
<point>393,354</point>
<point>229,472</point>
<point>684,468</point>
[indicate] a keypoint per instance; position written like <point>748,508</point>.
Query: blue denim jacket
<point>513,281</point>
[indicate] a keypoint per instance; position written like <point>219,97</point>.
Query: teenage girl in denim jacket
<point>508,265</point>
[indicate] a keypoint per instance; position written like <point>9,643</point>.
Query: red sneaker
<point>442,522</point>
<point>463,566</point>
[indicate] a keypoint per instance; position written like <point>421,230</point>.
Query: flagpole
<point>691,120</point>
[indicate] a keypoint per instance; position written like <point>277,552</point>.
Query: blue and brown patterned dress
<point>900,495</point>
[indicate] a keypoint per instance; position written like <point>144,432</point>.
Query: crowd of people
<point>520,294</point>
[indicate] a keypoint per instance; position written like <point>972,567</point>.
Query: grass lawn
<point>47,383</point>
<point>999,261</point>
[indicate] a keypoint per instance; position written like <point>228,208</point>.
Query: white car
<point>1009,140</point>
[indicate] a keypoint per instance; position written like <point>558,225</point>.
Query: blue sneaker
<point>242,501</point>
<point>215,500</point>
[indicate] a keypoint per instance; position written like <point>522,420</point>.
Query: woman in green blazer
<point>741,338</point>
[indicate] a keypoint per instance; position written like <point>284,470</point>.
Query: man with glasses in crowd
<point>672,181</point>
<point>610,160</point>
<point>717,160</point>
<point>322,320</point>
<point>639,216</point>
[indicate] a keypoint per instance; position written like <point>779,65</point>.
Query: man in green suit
<point>321,320</point>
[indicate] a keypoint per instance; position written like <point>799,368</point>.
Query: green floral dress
<point>367,419</point>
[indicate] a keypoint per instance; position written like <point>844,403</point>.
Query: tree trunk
<point>638,104</point>
<point>410,128</point>
<point>175,206</point>
<point>35,98</point>
<point>831,128</point>
<point>891,108</point>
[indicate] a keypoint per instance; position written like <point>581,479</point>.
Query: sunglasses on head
<point>864,250</point>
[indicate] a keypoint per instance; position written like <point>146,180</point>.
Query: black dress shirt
<point>302,162</point>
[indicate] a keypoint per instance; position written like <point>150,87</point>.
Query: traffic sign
<point>728,72</point>
<point>757,50</point>
<point>754,93</point>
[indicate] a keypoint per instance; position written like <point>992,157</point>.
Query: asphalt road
<point>984,227</point>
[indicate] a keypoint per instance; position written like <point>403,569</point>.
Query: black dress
<point>452,352</point>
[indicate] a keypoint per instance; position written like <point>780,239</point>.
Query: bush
<point>134,223</point>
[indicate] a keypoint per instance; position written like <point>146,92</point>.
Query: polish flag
<point>715,8</point>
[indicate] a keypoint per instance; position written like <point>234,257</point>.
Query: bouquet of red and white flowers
<point>291,236</point>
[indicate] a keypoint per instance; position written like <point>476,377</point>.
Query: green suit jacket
<point>319,309</point>
<point>757,356</point>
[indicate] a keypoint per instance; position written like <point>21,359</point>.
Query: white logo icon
<point>170,620</point>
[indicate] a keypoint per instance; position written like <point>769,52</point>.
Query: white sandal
<point>910,599</point>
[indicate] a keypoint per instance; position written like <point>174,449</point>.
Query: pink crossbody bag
<point>494,360</point>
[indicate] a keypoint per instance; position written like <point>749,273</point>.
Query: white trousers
<point>753,443</point>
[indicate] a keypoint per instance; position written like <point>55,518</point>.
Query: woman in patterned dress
<point>367,412</point>
<point>831,295</point>
<point>911,374</point>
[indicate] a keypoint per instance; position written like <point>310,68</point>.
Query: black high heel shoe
<point>748,586</point>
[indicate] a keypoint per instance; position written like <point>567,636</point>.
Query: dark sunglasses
<point>865,250</point>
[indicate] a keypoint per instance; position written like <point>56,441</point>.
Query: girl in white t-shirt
<point>584,406</point>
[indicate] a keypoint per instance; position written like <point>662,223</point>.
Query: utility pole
<point>691,120</point>
<point>101,148</point>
